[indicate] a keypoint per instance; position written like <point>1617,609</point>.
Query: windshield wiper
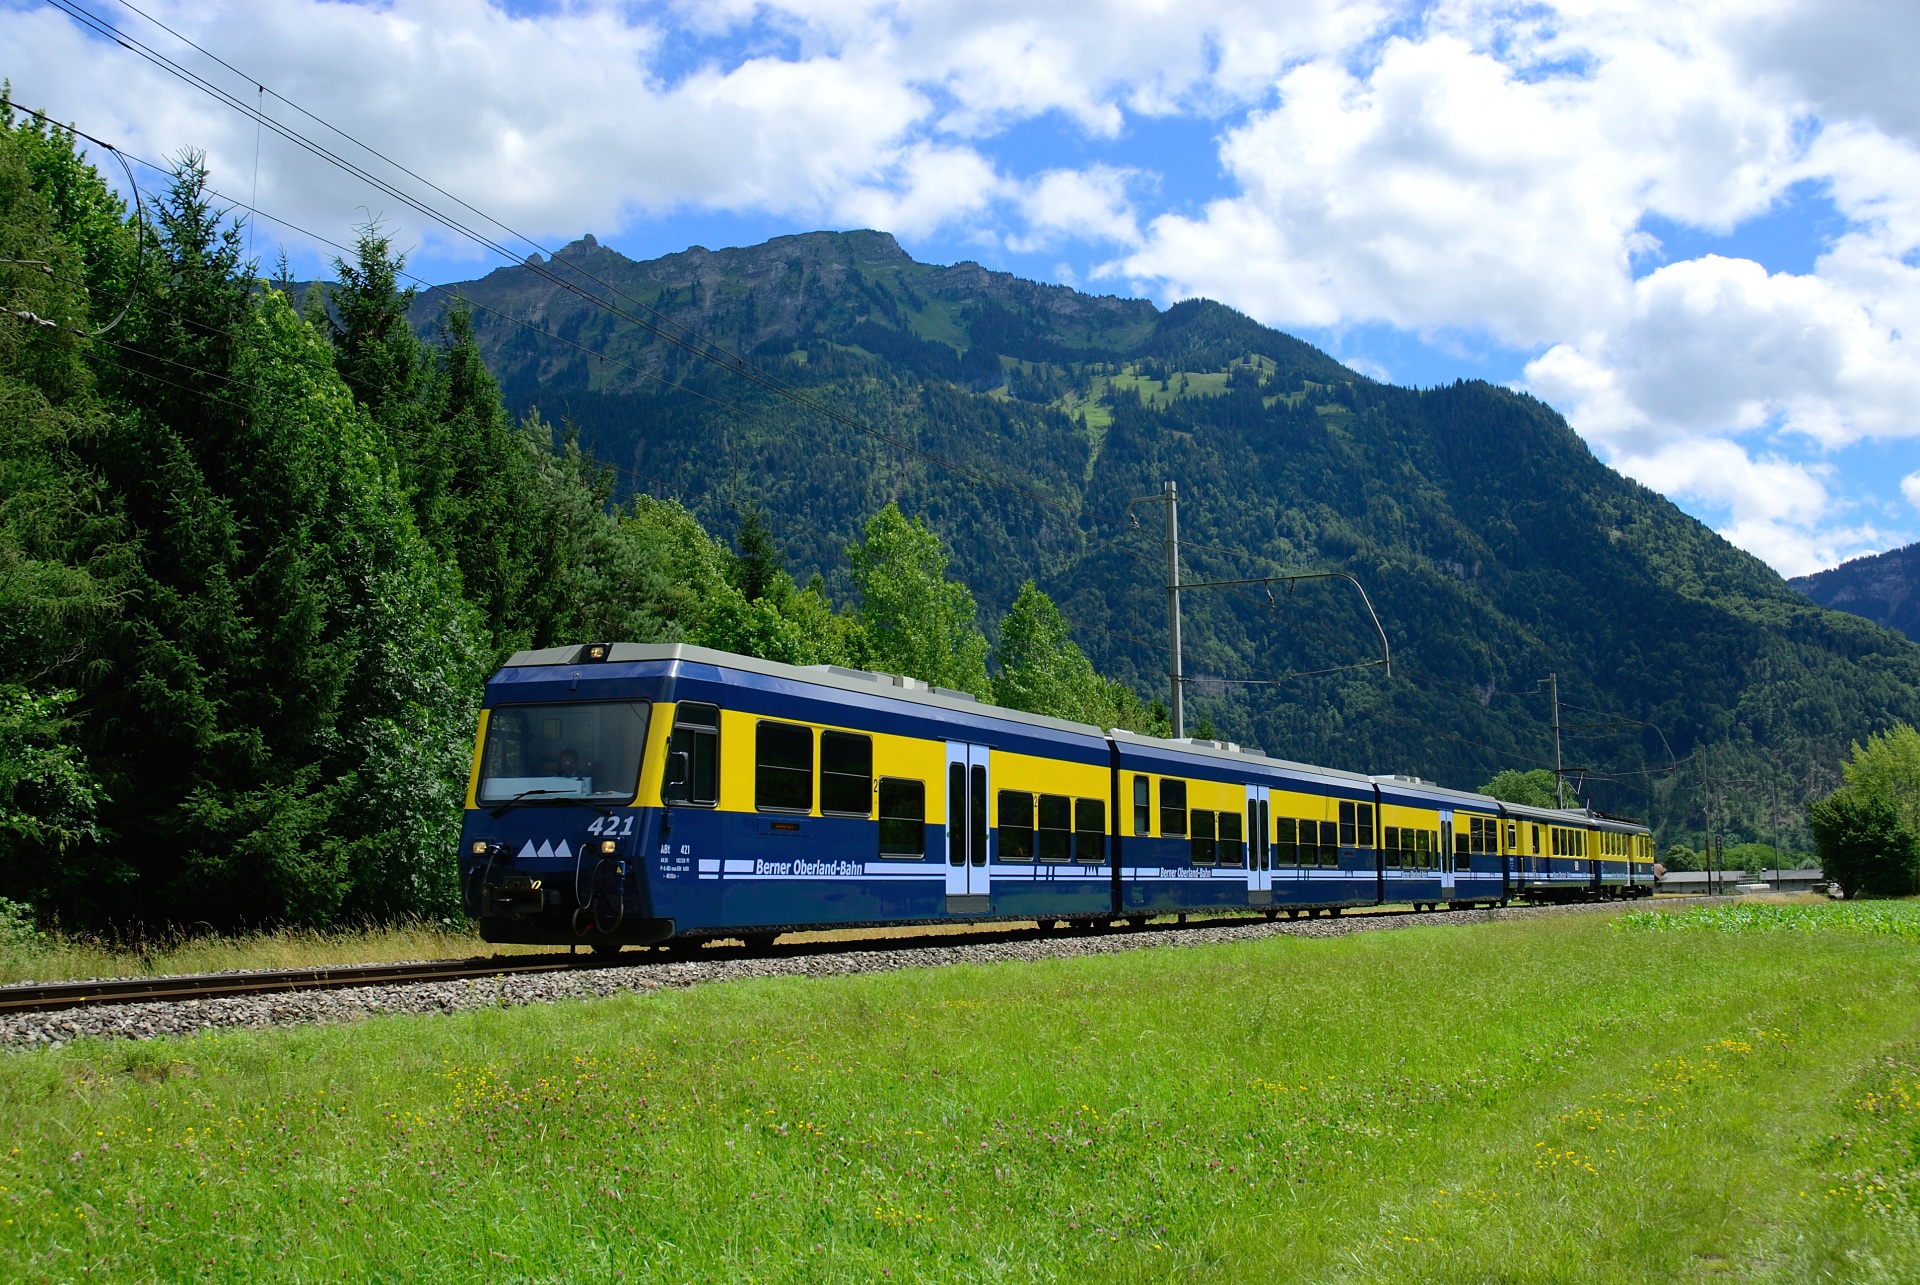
<point>524,795</point>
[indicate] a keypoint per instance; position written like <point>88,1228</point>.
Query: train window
<point>783,767</point>
<point>956,814</point>
<point>1364,815</point>
<point>1089,830</point>
<point>977,814</point>
<point>1016,825</point>
<point>1173,809</point>
<point>696,734</point>
<point>576,750</point>
<point>1476,841</point>
<point>846,774</point>
<point>1142,806</point>
<point>1460,848</point>
<point>1256,836</point>
<point>1329,844</point>
<point>1536,839</point>
<point>1391,840</point>
<point>1553,833</point>
<point>1409,857</point>
<point>1231,851</point>
<point>1513,836</point>
<point>903,818</point>
<point>1349,829</point>
<point>1203,847</point>
<point>1286,848</point>
<point>1054,837</point>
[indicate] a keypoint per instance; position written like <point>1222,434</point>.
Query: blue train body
<point>628,794</point>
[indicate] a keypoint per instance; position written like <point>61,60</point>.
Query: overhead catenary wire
<point>657,324</point>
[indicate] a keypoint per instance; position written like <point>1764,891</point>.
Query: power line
<point>658,324</point>
<point>655,322</point>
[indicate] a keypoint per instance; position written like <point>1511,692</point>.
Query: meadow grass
<point>27,955</point>
<point>1549,1100</point>
<point>1780,914</point>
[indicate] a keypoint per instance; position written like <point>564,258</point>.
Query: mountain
<point>1495,547</point>
<point>1883,587</point>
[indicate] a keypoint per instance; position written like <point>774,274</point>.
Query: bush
<point>17,927</point>
<point>1864,845</point>
<point>1681,857</point>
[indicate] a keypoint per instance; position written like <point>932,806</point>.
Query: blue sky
<point>1693,230</point>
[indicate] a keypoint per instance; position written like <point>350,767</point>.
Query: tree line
<point>261,546</point>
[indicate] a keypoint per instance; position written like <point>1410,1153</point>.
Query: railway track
<point>48,997</point>
<point>51,997</point>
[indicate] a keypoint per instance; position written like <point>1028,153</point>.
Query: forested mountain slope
<point>1495,546</point>
<point>1883,587</point>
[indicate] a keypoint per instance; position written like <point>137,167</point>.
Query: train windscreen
<point>579,750</point>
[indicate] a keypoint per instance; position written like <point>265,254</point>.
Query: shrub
<point>1680,857</point>
<point>1864,845</point>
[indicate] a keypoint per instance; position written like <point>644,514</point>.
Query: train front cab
<point>674,791</point>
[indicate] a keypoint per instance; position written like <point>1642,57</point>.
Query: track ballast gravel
<point>256,1012</point>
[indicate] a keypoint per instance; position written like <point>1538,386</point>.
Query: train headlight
<point>606,845</point>
<point>479,848</point>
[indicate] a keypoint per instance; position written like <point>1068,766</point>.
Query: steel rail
<point>46,997</point>
<point>50,996</point>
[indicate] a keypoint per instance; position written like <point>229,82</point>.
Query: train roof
<point>864,682</point>
<point>1417,788</point>
<point>859,681</point>
<point>1233,753</point>
<point>1575,816</point>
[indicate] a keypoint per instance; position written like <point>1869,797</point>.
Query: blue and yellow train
<point>629,794</point>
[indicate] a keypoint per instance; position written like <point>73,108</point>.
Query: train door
<point>1446,856</point>
<point>1509,855</point>
<point>967,891</point>
<point>1259,845</point>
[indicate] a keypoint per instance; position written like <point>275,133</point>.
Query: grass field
<point>1552,1099</point>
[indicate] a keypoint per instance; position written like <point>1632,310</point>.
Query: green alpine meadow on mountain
<point>1496,548</point>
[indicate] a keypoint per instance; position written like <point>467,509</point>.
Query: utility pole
<point>1169,495</point>
<point>1559,790</point>
<point>1176,706</point>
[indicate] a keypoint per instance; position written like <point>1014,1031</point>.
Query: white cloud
<point>592,114</point>
<point>1454,168</point>
<point>1090,205</point>
<point>1716,345</point>
<point>1779,510</point>
<point>1910,487</point>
